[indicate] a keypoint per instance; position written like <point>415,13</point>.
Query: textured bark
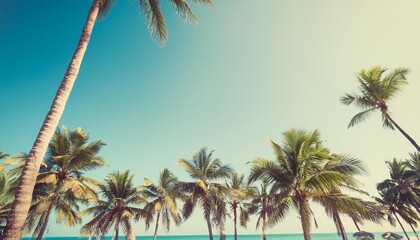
<point>399,222</point>
<point>24,191</point>
<point>403,132</point>
<point>156,226</point>
<point>302,214</point>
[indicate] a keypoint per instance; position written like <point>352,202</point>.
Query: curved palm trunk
<point>26,185</point>
<point>340,225</point>
<point>235,226</point>
<point>156,226</point>
<point>403,132</point>
<point>399,222</point>
<point>305,228</point>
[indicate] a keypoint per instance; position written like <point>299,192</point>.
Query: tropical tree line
<point>304,172</point>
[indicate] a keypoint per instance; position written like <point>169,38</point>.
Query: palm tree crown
<point>375,92</point>
<point>300,173</point>
<point>118,206</point>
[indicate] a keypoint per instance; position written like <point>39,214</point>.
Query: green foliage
<point>118,206</point>
<point>61,185</point>
<point>375,90</point>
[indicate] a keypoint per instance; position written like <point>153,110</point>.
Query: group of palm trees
<point>303,170</point>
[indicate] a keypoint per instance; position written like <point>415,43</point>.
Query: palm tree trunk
<point>117,229</point>
<point>222,231</point>
<point>414,230</point>
<point>264,235</point>
<point>53,203</point>
<point>207,215</point>
<point>235,227</point>
<point>403,132</point>
<point>22,201</point>
<point>340,225</point>
<point>399,222</point>
<point>156,226</point>
<point>302,213</point>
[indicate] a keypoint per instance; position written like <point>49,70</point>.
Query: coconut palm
<point>398,194</point>
<point>375,92</point>
<point>163,200</point>
<point>261,204</point>
<point>401,184</point>
<point>62,178</point>
<point>205,170</point>
<point>118,206</point>
<point>298,175</point>
<point>156,24</point>
<point>239,192</point>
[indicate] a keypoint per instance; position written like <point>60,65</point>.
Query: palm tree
<point>209,194</point>
<point>298,175</point>
<point>100,8</point>
<point>375,92</point>
<point>239,191</point>
<point>69,155</point>
<point>118,207</point>
<point>262,204</point>
<point>399,193</point>
<point>163,201</point>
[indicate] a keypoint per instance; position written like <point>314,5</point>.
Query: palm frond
<point>155,21</point>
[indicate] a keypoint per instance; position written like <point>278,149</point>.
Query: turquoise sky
<point>249,71</point>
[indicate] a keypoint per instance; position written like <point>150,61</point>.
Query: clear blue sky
<point>249,71</point>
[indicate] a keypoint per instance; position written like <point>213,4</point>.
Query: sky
<point>247,72</point>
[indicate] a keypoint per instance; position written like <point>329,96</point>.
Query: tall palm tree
<point>119,206</point>
<point>239,192</point>
<point>375,92</point>
<point>156,24</point>
<point>204,190</point>
<point>298,175</point>
<point>69,155</point>
<point>163,200</point>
